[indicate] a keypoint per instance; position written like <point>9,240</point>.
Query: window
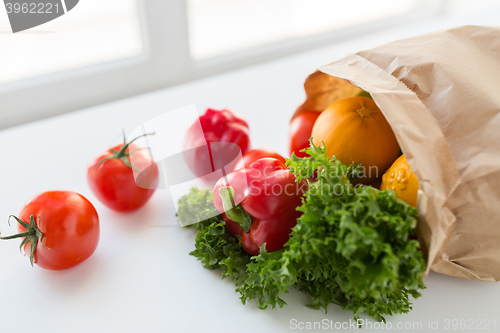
<point>102,51</point>
<point>94,32</point>
<point>218,27</point>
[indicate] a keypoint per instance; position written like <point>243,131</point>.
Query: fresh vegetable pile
<point>351,246</point>
<point>305,222</point>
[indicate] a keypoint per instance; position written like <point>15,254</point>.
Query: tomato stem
<point>123,151</point>
<point>22,234</point>
<point>32,235</point>
<point>234,212</point>
<point>122,154</point>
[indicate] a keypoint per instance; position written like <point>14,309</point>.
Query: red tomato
<point>111,178</point>
<point>256,154</point>
<point>66,226</point>
<point>300,131</point>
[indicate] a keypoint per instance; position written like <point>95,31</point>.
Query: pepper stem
<point>234,212</point>
<point>32,235</point>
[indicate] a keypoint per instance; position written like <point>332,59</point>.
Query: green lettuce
<point>350,247</point>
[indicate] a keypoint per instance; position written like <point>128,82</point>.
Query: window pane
<point>219,27</point>
<point>467,7</point>
<point>94,32</point>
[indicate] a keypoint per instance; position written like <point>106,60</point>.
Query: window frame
<point>165,61</point>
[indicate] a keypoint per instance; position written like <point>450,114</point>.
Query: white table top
<point>141,278</point>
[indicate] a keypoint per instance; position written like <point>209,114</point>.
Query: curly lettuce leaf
<point>195,206</point>
<point>215,247</point>
<point>351,246</point>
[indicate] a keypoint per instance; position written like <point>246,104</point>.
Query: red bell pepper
<point>255,154</point>
<point>259,204</point>
<point>218,127</point>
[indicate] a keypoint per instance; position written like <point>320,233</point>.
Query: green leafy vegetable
<point>350,247</point>
<point>215,247</point>
<point>196,206</point>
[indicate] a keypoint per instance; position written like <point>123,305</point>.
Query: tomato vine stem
<point>122,154</point>
<point>32,235</point>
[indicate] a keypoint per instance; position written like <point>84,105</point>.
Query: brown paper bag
<point>440,92</point>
